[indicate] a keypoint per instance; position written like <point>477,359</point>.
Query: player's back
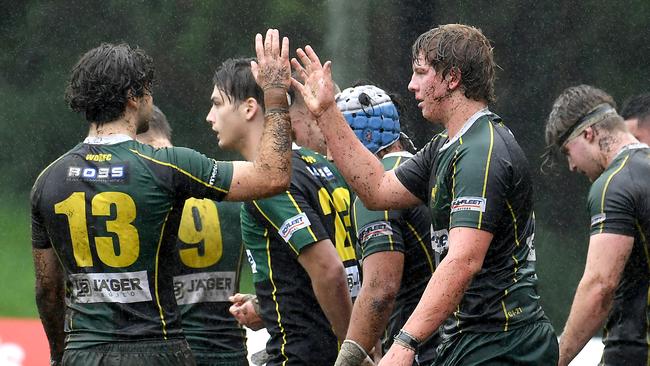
<point>110,209</point>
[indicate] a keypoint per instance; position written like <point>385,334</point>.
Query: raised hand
<point>272,69</point>
<point>317,88</point>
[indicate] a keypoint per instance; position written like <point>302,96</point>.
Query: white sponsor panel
<point>293,224</point>
<point>354,280</point>
<point>251,260</point>
<point>439,240</point>
<point>204,287</point>
<point>530,241</point>
<point>123,287</point>
<point>597,219</point>
<point>373,230</point>
<point>468,204</point>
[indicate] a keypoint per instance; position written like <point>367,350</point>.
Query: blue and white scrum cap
<point>371,114</point>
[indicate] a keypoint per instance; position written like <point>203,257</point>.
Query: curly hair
<point>105,78</point>
<point>235,78</point>
<point>463,48</point>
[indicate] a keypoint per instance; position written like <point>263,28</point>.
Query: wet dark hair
<point>637,107</point>
<point>235,79</point>
<point>464,48</point>
<point>105,78</point>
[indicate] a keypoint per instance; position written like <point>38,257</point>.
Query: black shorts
<point>174,352</point>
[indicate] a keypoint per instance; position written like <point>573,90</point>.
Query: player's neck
<point>250,144</point>
<point>121,126</point>
<point>616,142</point>
<point>460,111</point>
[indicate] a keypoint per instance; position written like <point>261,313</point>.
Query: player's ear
<point>590,134</point>
<point>251,108</point>
<point>453,78</point>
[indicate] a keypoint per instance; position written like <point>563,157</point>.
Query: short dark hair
<point>638,107</point>
<point>464,48</point>
<point>158,124</point>
<point>235,78</point>
<point>105,77</point>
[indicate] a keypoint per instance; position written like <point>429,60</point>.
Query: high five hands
<point>317,88</point>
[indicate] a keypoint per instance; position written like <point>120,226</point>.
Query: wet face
<point>640,131</point>
<point>227,120</point>
<point>429,88</point>
<point>145,112</point>
<point>305,129</point>
<point>582,156</point>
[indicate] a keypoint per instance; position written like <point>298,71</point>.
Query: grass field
<point>16,267</point>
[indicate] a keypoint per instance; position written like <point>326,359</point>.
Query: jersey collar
<point>295,146</point>
<point>632,146</point>
<point>107,140</point>
<point>470,122</point>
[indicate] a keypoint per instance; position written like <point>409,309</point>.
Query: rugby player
<point>395,244</point>
<point>105,215</point>
<point>207,266</point>
<point>297,242</point>
<point>636,113</point>
<point>585,127</point>
<point>475,179</point>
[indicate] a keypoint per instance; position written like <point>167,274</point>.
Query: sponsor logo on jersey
<point>123,288</point>
<point>468,204</point>
<point>373,230</point>
<point>308,159</point>
<point>99,157</point>
<point>215,171</point>
<point>321,172</point>
<point>292,225</point>
<point>354,280</point>
<point>99,174</point>
<point>251,260</point>
<point>204,287</point>
<point>597,219</point>
<point>439,240</point>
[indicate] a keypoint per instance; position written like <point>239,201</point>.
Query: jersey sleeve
<point>197,175</point>
<point>295,221</point>
<point>611,205</point>
<point>377,231</point>
<point>414,174</point>
<point>40,238</point>
<point>479,180</point>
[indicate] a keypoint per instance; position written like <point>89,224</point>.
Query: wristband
<point>406,340</point>
<point>270,86</point>
<point>281,110</point>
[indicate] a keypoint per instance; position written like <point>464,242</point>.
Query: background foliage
<point>541,47</point>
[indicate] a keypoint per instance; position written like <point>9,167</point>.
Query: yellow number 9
<point>200,229</point>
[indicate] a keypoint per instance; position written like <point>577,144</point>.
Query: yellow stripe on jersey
<point>390,237</point>
<point>179,169</point>
<point>160,309</point>
<point>424,248</point>
<point>487,170</point>
<point>275,300</point>
<point>514,221</point>
<point>505,311</point>
<point>300,211</point>
<point>272,224</point>
<point>602,199</point>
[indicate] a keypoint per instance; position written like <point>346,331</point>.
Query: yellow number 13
<point>128,241</point>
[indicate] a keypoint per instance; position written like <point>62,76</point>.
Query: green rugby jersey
<point>406,231</point>
<point>110,208</point>
<point>480,179</point>
<point>210,252</point>
<point>275,230</point>
<point>619,203</point>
